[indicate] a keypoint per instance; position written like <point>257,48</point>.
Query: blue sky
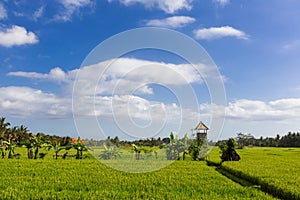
<point>254,44</point>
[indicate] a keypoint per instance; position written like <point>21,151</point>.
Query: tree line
<point>291,139</point>
<point>20,136</point>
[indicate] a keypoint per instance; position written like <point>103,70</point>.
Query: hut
<point>201,131</point>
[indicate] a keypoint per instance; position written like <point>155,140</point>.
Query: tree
<point>228,151</point>
<point>171,150</point>
<point>4,127</point>
<point>136,150</point>
<point>176,147</point>
<point>116,141</point>
<point>244,140</point>
<point>2,149</point>
<point>194,150</point>
<point>57,148</point>
<point>79,146</point>
<point>23,134</point>
<point>10,147</point>
<point>33,145</point>
<point>29,145</point>
<point>110,152</point>
<point>37,144</point>
<point>198,152</point>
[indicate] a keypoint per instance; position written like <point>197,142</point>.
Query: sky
<point>251,47</point>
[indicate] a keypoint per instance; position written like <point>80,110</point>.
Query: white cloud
<point>25,102</point>
<point>55,74</point>
<point>126,105</point>
<point>16,36</point>
<point>3,12</point>
<point>253,110</point>
<point>219,32</point>
<point>168,6</point>
<point>222,2</point>
<point>171,22</point>
<point>125,75</point>
<point>122,80</point>
<point>70,7</point>
<point>28,102</point>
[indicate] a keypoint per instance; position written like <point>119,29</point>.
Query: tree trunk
<point>36,153</point>
<point>10,154</point>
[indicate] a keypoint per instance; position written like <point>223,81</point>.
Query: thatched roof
<point>201,126</point>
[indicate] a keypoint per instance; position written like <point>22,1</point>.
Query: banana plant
<point>137,150</point>
<point>10,147</point>
<point>57,148</point>
<point>111,152</point>
<point>79,146</point>
<point>29,145</point>
<point>33,145</point>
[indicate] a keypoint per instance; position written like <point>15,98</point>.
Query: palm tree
<point>22,133</point>
<point>4,127</point>
<point>12,133</point>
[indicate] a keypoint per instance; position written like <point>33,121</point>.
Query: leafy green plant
<point>33,145</point>
<point>136,150</point>
<point>228,151</point>
<point>175,147</point>
<point>110,152</point>
<point>80,147</point>
<point>57,148</point>
<point>10,147</point>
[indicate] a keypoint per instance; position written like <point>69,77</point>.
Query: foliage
<point>175,147</point>
<point>57,148</point>
<point>20,135</point>
<point>9,146</point>
<point>242,139</point>
<point>228,151</point>
<point>194,151</point>
<point>80,147</point>
<point>288,140</point>
<point>33,145</point>
<point>110,152</point>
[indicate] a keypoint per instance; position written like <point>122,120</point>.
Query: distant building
<point>75,140</point>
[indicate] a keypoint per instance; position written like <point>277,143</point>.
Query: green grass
<point>91,179</point>
<point>277,170</point>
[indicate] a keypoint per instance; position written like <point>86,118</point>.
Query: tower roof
<point>201,126</point>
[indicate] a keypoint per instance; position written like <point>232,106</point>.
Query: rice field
<point>91,179</point>
<point>276,170</point>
